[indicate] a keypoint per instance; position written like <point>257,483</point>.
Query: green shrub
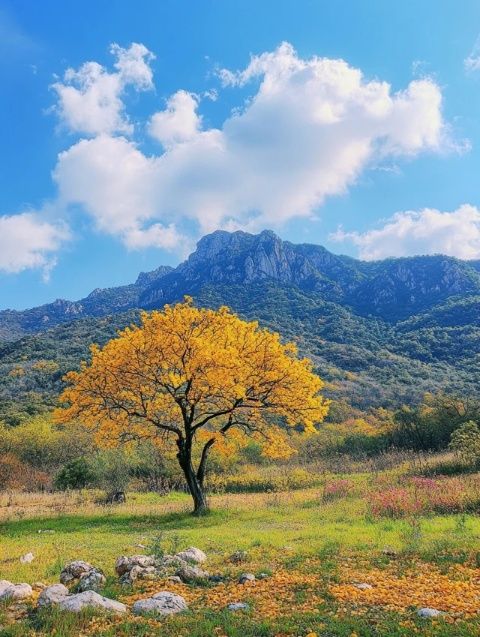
<point>76,474</point>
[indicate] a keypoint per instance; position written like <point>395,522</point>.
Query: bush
<point>15,474</point>
<point>76,474</point>
<point>252,479</point>
<point>465,441</point>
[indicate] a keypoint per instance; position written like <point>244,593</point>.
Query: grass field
<point>313,549</point>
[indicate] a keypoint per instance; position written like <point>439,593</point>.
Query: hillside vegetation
<point>382,333</point>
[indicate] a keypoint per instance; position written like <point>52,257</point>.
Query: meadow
<point>413,540</point>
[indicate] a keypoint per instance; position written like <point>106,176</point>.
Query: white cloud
<point>312,126</point>
<point>472,61</point>
<point>307,131</point>
<point>27,241</point>
<point>90,98</point>
<point>179,122</point>
<point>427,231</point>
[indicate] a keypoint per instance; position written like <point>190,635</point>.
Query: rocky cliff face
<point>393,289</point>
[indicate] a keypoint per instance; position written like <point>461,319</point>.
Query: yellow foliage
<point>188,369</point>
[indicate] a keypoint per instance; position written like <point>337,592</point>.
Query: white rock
<point>4,583</point>
<point>52,595</point>
<point>163,603</point>
<point>246,577</point>
<point>125,564</point>
<point>191,574</point>
<point>192,554</point>
<point>27,558</point>
<point>429,612</point>
<point>91,599</point>
<point>16,592</point>
<point>363,586</point>
<point>238,606</point>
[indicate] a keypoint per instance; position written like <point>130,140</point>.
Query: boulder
<point>192,554</point>
<point>91,599</point>
<point>125,564</point>
<point>363,586</point>
<point>92,581</point>
<point>52,595</point>
<point>426,613</point>
<point>246,577</point>
<point>4,584</point>
<point>163,603</point>
<point>14,592</point>
<point>27,558</point>
<point>191,574</point>
<point>74,571</point>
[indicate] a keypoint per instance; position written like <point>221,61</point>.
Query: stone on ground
<point>163,603</point>
<point>192,554</point>
<point>74,571</point>
<point>27,558</point>
<point>246,577</point>
<point>52,595</point>
<point>429,612</point>
<point>191,574</point>
<point>238,606</point>
<point>238,557</point>
<point>91,599</point>
<point>14,592</point>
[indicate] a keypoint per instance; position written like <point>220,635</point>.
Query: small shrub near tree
<point>76,474</point>
<point>465,441</point>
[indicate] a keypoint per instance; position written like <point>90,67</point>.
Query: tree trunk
<point>195,487</point>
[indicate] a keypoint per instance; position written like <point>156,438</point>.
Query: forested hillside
<point>382,333</point>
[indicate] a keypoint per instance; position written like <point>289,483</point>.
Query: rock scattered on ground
<point>27,558</point>
<point>52,595</point>
<point>363,586</point>
<point>192,554</point>
<point>90,599</point>
<point>84,575</point>
<point>125,564</point>
<point>146,567</point>
<point>238,557</point>
<point>246,577</point>
<point>163,603</point>
<point>14,592</point>
<point>191,574</point>
<point>426,613</point>
<point>238,606</point>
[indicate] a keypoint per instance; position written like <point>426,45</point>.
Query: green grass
<point>275,529</point>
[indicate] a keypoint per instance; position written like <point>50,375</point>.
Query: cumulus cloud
<point>427,231</point>
<point>27,241</point>
<point>179,122</point>
<point>308,131</point>
<point>90,98</point>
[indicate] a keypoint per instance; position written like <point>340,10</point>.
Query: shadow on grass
<point>119,523</point>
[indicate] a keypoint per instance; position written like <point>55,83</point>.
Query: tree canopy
<point>195,377</point>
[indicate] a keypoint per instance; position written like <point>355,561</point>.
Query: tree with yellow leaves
<point>195,377</point>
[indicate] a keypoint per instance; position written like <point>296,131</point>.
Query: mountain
<point>380,333</point>
<point>101,302</point>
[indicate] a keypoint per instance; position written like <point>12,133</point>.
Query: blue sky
<point>361,132</point>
